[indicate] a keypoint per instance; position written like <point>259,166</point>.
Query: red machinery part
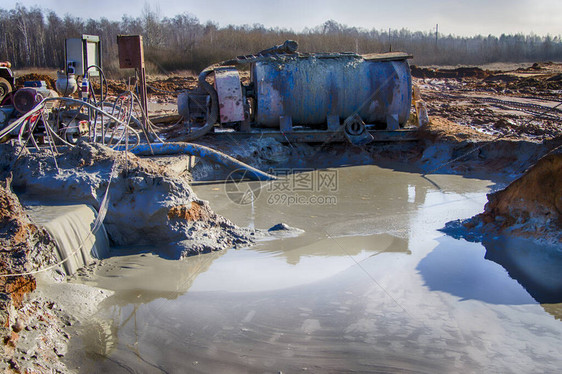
<point>26,99</point>
<point>229,91</point>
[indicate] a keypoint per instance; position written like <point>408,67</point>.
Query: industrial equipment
<point>131,56</point>
<point>38,115</point>
<point>7,80</point>
<point>82,53</point>
<point>295,93</point>
<point>63,120</point>
<point>66,83</point>
<point>30,95</point>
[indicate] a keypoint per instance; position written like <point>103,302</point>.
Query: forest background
<point>32,37</point>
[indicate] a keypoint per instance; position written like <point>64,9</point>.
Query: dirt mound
<point>443,130</point>
<point>540,66</point>
<point>172,85</point>
<point>540,78</point>
<point>169,87</point>
<point>505,78</point>
<point>36,77</point>
<point>29,328</point>
<point>142,195</point>
<point>555,78</point>
<point>459,73</point>
<point>15,237</point>
<point>24,246</point>
<point>535,83</point>
<point>532,204</point>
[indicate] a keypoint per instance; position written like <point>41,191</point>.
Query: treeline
<point>35,38</point>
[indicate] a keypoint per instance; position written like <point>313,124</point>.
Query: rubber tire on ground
<point>72,138</point>
<point>5,88</point>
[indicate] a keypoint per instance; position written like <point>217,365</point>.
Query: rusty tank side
<point>309,88</point>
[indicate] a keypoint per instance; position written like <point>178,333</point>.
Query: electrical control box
<point>81,53</point>
<point>131,54</point>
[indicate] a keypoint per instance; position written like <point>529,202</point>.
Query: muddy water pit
<point>372,285</point>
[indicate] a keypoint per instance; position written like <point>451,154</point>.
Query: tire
<point>5,88</point>
<point>72,137</point>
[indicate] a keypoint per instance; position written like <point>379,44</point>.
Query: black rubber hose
<point>213,113</point>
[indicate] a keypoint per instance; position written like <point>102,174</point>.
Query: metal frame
<point>301,135</point>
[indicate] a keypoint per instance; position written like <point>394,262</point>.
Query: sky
<point>461,18</point>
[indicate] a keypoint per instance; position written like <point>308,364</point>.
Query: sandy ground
<point>517,104</point>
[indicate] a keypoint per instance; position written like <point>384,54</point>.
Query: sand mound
<point>15,239</point>
<point>148,204</point>
<point>24,332</point>
<point>36,77</point>
<point>440,129</point>
<point>461,72</point>
<point>532,204</point>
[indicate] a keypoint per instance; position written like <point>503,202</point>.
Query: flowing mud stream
<point>370,286</point>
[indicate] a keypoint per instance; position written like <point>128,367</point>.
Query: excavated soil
<point>520,103</point>
<point>30,326</point>
<point>36,77</point>
<point>142,195</point>
<point>468,72</point>
<point>531,206</point>
<point>541,77</point>
<point>440,129</point>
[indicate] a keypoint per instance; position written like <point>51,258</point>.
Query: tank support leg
<point>392,122</point>
<point>286,123</point>
<point>333,121</point>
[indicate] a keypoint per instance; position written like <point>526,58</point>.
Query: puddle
<point>371,286</point>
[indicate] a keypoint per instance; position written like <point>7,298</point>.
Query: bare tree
<point>32,37</point>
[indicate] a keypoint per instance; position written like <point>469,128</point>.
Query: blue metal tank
<point>309,88</point>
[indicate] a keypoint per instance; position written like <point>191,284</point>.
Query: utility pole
<point>389,41</point>
<point>436,33</point>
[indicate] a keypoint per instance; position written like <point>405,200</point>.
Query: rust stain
<point>193,212</point>
<point>15,236</point>
<point>18,287</point>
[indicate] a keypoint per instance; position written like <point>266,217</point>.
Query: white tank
<point>66,84</point>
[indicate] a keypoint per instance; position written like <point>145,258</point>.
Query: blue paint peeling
<point>311,88</point>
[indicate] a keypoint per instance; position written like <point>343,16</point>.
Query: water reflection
<point>458,268</point>
<point>288,263</point>
<point>536,267</point>
<point>137,280</point>
<point>294,249</point>
<point>371,286</point>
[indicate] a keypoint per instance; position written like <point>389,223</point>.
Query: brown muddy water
<point>371,286</point>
